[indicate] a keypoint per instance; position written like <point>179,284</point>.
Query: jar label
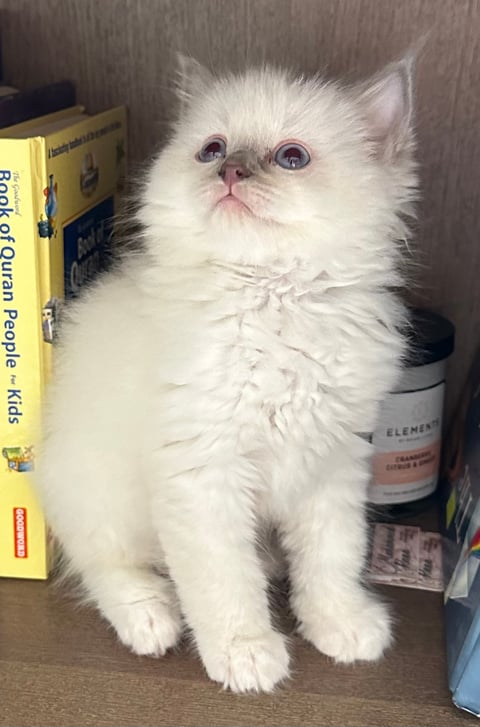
<point>407,442</point>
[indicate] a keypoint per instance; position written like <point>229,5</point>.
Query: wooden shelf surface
<point>61,665</point>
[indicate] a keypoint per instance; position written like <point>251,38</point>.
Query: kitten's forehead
<point>263,107</point>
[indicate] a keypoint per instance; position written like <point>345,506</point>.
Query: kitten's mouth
<point>230,201</point>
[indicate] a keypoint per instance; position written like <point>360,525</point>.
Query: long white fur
<point>216,382</point>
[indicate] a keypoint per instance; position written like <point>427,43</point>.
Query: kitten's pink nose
<point>233,172</point>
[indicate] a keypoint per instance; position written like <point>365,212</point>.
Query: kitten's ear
<point>192,78</point>
<point>387,101</point>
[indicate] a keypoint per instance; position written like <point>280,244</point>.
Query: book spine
<point>23,551</point>
<point>46,237</point>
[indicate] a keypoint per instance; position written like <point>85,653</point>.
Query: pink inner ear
<point>387,105</point>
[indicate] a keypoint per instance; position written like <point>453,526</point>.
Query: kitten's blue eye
<point>214,148</point>
<point>291,156</point>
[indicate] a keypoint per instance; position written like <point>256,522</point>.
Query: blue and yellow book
<point>59,181</point>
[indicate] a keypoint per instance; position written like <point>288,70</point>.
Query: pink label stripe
<point>398,468</point>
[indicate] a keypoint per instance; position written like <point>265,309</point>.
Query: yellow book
<point>59,180</point>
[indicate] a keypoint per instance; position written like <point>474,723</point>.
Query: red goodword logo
<point>20,532</point>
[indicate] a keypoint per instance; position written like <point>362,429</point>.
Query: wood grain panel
<point>122,51</point>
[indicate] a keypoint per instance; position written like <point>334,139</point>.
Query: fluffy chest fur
<point>282,357</point>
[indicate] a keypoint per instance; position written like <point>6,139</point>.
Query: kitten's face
<point>262,152</point>
<point>257,152</point>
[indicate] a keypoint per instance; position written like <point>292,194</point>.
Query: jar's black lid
<point>432,337</point>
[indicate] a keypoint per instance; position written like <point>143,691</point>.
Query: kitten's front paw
<point>148,628</point>
<point>254,664</point>
<point>349,635</point>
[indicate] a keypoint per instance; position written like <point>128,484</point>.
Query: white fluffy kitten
<point>217,382</point>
